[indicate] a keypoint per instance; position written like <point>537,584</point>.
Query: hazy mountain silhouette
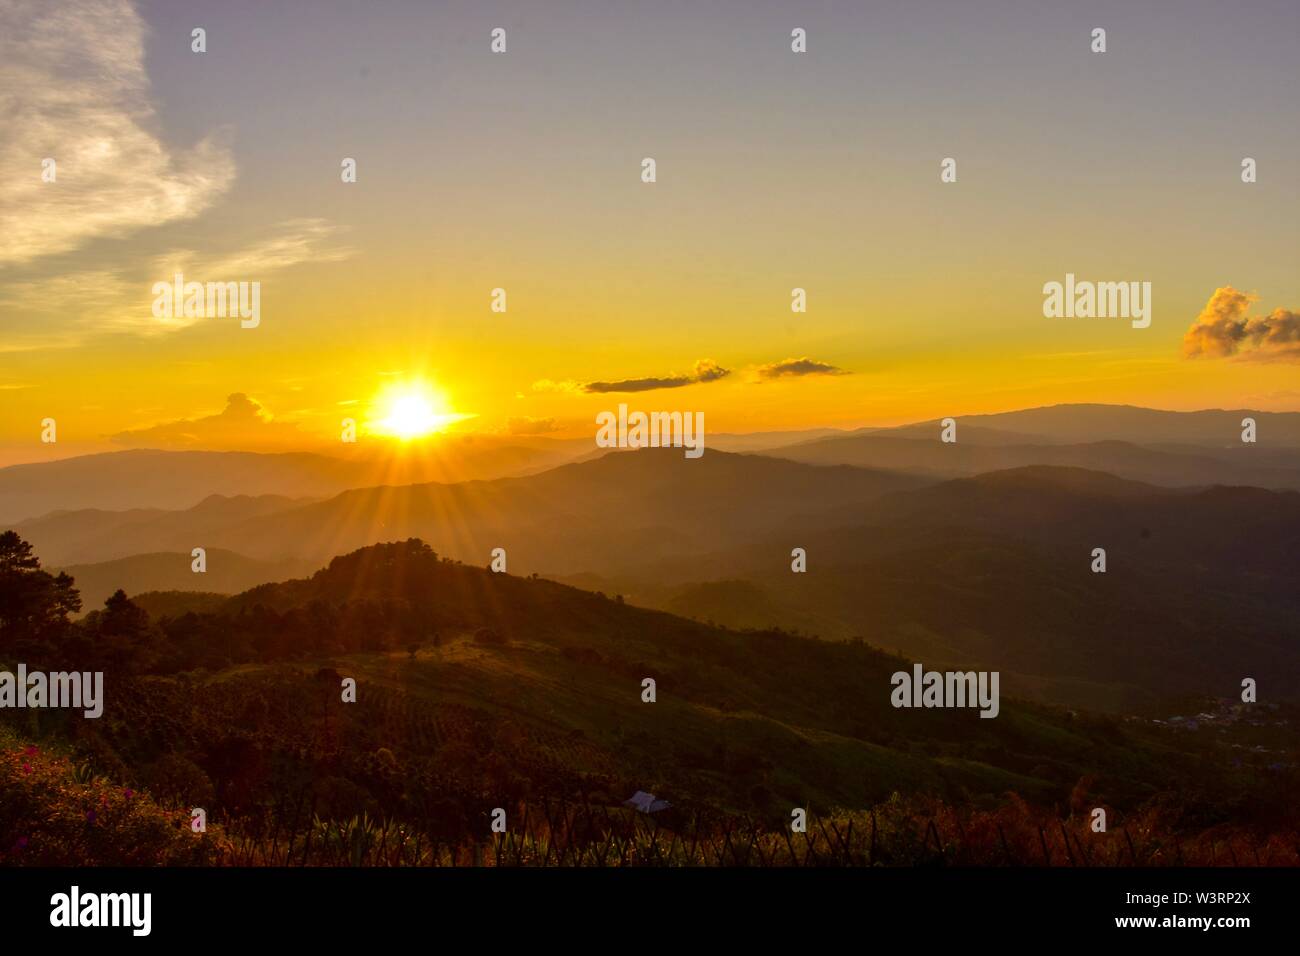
<point>929,456</point>
<point>227,573</point>
<point>1085,423</point>
<point>624,508</point>
<point>992,570</point>
<point>1200,588</point>
<point>180,479</point>
<point>93,536</point>
<point>760,441</point>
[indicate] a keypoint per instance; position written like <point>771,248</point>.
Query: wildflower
<point>33,750</point>
<point>90,816</point>
<point>128,793</point>
<point>21,844</point>
<point>27,768</point>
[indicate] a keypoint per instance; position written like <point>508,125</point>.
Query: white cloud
<point>73,88</point>
<point>294,242</point>
<point>64,310</point>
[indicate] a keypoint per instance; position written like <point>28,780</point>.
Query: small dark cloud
<point>637,384</point>
<point>798,367</point>
<point>706,370</point>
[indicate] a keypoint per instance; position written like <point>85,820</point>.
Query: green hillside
<point>477,690</point>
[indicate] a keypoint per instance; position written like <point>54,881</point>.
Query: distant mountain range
<point>180,479</point>
<point>620,510</point>
<point>227,573</point>
<point>1177,449</point>
<point>977,552</point>
<point>1190,467</point>
<point>1084,423</point>
<point>1200,588</point>
<point>92,536</point>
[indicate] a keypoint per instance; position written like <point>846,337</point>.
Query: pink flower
<point>27,768</point>
<point>128,793</point>
<point>33,750</point>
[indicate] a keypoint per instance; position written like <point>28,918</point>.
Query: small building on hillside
<point>646,802</point>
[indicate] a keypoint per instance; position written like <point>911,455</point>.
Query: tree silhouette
<point>33,603</point>
<point>125,636</point>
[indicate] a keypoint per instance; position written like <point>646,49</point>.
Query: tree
<point>33,603</point>
<point>122,617</point>
<point>16,554</point>
<point>125,636</point>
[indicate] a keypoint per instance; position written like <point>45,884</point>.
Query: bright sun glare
<point>413,411</point>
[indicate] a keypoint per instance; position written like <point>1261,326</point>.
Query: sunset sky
<point>522,171</point>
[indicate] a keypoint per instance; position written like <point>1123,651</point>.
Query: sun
<point>412,410</point>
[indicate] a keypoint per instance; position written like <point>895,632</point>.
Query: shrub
<point>49,816</point>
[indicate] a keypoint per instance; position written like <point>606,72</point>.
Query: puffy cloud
<point>73,89</point>
<point>706,370</point>
<point>1225,328</point>
<point>797,367</point>
<point>243,423</point>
